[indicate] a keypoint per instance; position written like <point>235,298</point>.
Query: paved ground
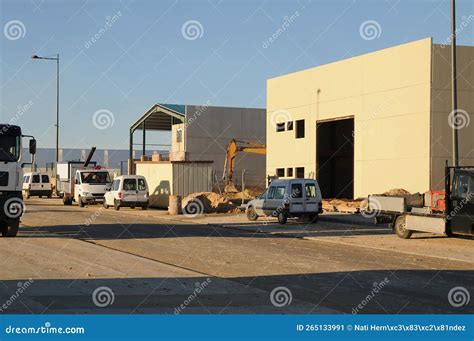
<point>146,262</point>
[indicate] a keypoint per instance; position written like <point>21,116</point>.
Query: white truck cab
<point>286,198</point>
<point>90,186</point>
<point>11,175</point>
<point>82,184</point>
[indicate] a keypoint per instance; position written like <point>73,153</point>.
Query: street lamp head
<point>34,57</point>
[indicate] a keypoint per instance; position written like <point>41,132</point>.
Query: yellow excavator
<point>233,148</point>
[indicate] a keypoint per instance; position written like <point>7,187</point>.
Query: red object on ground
<point>437,200</point>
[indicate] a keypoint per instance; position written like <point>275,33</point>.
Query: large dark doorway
<point>335,158</point>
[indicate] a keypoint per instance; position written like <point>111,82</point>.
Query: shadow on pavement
<point>364,292</point>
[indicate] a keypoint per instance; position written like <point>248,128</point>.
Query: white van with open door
<point>36,184</point>
<point>287,198</point>
<point>127,191</point>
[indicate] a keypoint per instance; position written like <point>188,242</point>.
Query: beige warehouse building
<point>367,124</point>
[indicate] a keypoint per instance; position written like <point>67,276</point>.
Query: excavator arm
<point>233,148</point>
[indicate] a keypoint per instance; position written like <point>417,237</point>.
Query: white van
<point>36,184</point>
<point>127,191</point>
<point>286,198</point>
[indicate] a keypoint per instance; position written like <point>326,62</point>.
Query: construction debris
<point>211,202</point>
<point>396,192</point>
<point>207,202</point>
<point>342,205</point>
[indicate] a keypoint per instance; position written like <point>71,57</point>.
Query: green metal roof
<point>161,117</point>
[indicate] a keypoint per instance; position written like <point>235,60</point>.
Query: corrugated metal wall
<point>191,177</point>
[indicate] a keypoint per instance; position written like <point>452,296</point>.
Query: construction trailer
<point>371,123</point>
<point>202,133</point>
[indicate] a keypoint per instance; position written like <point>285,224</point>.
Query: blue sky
<point>141,55</point>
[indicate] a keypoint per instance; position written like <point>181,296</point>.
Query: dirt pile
<point>396,192</point>
<point>342,205</point>
<point>207,202</point>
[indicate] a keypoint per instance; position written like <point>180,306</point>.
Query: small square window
<point>280,172</point>
<point>280,127</point>
<point>289,125</point>
<point>299,133</point>
<point>289,172</point>
<point>300,172</point>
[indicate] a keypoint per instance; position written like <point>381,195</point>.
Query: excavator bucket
<point>230,188</point>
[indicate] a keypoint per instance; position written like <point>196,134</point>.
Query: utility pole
<point>454,95</point>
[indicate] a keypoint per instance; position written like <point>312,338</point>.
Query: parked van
<point>127,191</point>
<point>36,184</point>
<point>286,198</point>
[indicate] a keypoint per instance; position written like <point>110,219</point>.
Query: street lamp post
<point>57,109</point>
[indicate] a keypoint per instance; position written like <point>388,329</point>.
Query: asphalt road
<point>68,259</point>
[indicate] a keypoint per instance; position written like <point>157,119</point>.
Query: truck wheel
<point>11,229</point>
<point>116,205</point>
<point>400,228</point>
<point>104,204</point>
<point>282,218</point>
<point>80,202</point>
<point>251,214</point>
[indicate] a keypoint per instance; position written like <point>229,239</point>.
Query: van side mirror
<point>32,146</point>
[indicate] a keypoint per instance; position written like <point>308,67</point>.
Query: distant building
<point>371,123</point>
<point>201,133</point>
<point>111,158</point>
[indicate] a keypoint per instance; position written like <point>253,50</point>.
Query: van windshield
<point>95,178</point>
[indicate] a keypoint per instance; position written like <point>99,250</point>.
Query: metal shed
<point>160,117</point>
<point>167,178</point>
